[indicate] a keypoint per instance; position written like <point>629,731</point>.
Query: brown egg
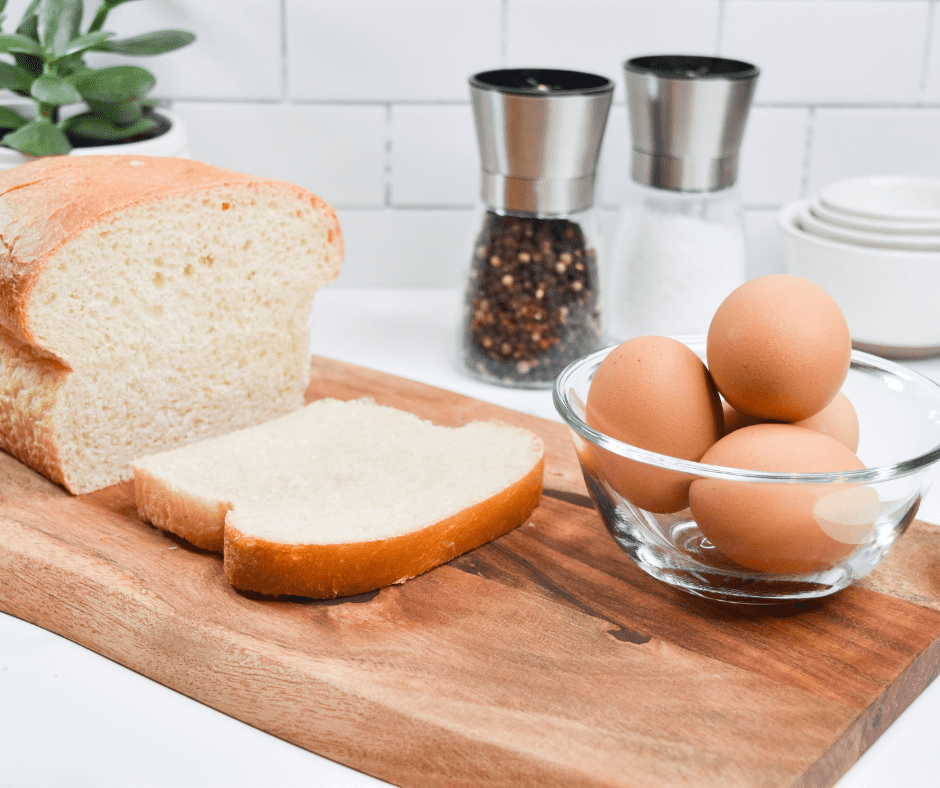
<point>783,527</point>
<point>779,348</point>
<point>655,393</point>
<point>735,420</point>
<point>838,419</point>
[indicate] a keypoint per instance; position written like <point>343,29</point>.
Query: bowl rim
<point>833,195</point>
<point>807,221</point>
<point>786,221</point>
<point>886,226</point>
<point>882,473</point>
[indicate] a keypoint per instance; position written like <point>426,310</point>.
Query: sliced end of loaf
<point>201,519</point>
<point>29,387</point>
<point>327,571</point>
<point>150,303</point>
<point>339,498</point>
<point>226,269</point>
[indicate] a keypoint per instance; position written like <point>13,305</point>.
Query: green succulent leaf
<point>69,64</point>
<point>59,22</point>
<point>16,42</point>
<point>29,24</point>
<point>32,64</point>
<point>87,41</point>
<point>121,114</point>
<point>97,128</point>
<point>48,50</point>
<point>10,119</point>
<point>29,27</point>
<point>12,77</point>
<point>156,43</point>
<point>38,138</point>
<point>52,89</point>
<point>114,85</point>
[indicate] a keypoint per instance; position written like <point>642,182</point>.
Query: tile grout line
<point>504,32</point>
<point>388,155</point>
<point>721,27</point>
<point>808,150</point>
<point>795,105</point>
<point>285,77</point>
<point>928,49</point>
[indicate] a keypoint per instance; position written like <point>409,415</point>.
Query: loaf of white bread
<point>147,303</point>
<point>339,498</point>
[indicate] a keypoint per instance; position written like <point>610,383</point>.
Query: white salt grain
<point>676,270</point>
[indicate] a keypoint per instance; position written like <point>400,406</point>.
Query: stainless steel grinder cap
<point>539,131</point>
<point>687,116</point>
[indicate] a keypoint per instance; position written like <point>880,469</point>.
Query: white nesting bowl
<point>888,296</point>
<point>886,226</point>
<point>836,232</point>
<point>899,198</point>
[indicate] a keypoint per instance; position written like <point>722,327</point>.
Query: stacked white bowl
<point>874,244</point>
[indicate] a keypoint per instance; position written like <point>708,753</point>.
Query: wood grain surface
<point>545,658</point>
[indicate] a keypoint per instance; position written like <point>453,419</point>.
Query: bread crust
<point>327,571</point>
<point>46,202</point>
<point>30,385</point>
<point>46,387</point>
<point>200,521</point>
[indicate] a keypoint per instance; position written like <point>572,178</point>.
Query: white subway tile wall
<point>598,35</point>
<point>388,50</point>
<point>422,138</point>
<point>366,102</point>
<point>839,52</point>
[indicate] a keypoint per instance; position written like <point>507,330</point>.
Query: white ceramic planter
<point>174,143</point>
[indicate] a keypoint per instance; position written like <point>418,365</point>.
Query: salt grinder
<point>532,302</point>
<point>679,245</point>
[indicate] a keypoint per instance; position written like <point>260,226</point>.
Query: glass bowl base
<point>740,586</point>
<point>673,550</point>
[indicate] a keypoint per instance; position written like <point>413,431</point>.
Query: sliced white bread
<point>340,498</point>
<point>149,302</point>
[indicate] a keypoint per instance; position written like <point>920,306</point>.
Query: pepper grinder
<point>679,244</point>
<point>532,304</point>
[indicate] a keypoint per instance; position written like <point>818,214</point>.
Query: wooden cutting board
<point>545,658</point>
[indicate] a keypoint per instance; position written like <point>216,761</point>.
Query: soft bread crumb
<point>376,488</point>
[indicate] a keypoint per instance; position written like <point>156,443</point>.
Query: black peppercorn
<point>531,304</point>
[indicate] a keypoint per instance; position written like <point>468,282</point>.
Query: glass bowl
<point>856,515</point>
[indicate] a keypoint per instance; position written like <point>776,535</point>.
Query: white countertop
<point>69,717</point>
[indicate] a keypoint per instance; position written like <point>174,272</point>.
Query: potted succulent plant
<point>70,106</point>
